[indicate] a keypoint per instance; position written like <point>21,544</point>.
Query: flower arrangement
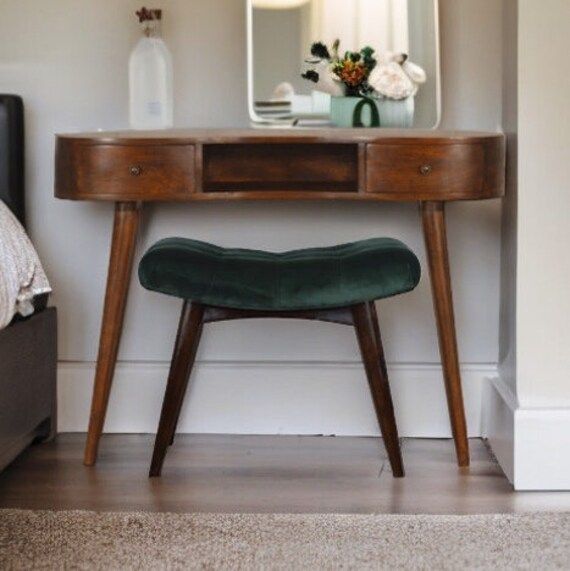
<point>146,15</point>
<point>363,73</point>
<point>149,19</point>
<point>349,72</point>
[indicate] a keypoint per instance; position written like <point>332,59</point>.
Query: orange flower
<point>351,73</point>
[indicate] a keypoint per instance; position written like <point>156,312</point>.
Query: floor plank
<point>276,474</point>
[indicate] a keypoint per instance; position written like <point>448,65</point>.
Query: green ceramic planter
<point>396,114</point>
<point>354,112</point>
<point>366,112</point>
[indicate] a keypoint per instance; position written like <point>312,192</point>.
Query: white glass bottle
<point>150,76</point>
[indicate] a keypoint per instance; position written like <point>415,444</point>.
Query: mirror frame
<point>256,120</point>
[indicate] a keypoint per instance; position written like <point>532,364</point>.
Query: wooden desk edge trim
<point>173,137</point>
<point>492,187</point>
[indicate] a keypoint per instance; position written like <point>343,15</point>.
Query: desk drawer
<point>425,172</point>
<point>135,172</point>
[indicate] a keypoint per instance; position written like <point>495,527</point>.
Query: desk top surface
<point>292,135</point>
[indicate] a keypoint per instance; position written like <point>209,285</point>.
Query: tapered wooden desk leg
<point>127,218</point>
<point>433,218</point>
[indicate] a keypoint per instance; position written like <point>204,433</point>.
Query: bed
<point>28,346</point>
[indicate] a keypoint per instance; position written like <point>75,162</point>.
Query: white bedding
<point>21,274</point>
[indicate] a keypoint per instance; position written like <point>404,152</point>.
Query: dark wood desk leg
<point>433,218</point>
<point>127,218</point>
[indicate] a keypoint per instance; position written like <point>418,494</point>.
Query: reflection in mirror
<point>293,84</point>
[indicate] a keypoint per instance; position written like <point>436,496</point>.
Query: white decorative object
<point>321,102</point>
<point>150,77</point>
<point>21,274</point>
<point>415,72</point>
<point>395,76</point>
<point>391,81</point>
<point>283,92</point>
<point>327,82</point>
<point>301,104</point>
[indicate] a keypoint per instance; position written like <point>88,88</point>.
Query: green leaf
<point>320,50</point>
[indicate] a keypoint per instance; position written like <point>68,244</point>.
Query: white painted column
<point>543,261</point>
<point>530,420</point>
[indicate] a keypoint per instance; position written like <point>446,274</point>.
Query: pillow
<point>22,277</point>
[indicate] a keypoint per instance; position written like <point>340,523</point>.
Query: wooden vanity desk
<point>375,165</point>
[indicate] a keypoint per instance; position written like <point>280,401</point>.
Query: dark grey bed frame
<point>28,347</point>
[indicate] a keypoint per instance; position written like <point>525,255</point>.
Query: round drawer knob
<point>135,170</point>
<point>425,169</point>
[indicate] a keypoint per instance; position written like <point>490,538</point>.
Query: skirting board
<point>271,398</point>
<point>530,444</point>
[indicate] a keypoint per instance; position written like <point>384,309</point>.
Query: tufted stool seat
<point>313,278</point>
<point>335,284</point>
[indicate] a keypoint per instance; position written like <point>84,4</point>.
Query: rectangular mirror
<point>399,81</point>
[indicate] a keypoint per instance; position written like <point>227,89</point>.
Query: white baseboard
<point>499,406</point>
<point>531,444</point>
<point>271,398</point>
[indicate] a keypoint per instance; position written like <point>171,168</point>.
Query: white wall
<point>68,59</point>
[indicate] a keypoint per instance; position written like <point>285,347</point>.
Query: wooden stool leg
<point>178,348</point>
<point>377,337</point>
<point>180,368</point>
<point>373,358</point>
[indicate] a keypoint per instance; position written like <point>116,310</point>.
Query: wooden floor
<point>281,474</point>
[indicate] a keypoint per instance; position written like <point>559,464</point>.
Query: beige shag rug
<point>88,540</point>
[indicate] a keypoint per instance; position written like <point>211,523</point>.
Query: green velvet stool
<point>337,284</point>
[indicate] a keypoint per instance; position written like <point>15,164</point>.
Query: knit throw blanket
<point>21,274</point>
